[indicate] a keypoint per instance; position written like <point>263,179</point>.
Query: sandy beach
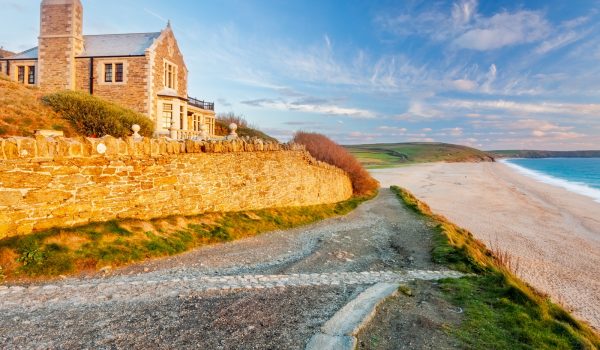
<point>554,233</point>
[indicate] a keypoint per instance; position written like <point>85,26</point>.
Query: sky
<point>488,74</point>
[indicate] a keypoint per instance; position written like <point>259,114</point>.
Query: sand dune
<point>554,234</point>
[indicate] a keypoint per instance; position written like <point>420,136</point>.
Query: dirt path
<point>273,291</point>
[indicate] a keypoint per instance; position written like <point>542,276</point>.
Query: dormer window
<point>114,73</point>
<point>170,75</point>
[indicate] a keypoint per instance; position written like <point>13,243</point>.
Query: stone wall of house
<point>131,93</point>
<point>60,182</point>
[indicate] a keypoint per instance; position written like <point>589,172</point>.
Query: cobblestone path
<point>78,293</point>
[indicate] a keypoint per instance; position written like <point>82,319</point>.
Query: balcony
<point>209,106</point>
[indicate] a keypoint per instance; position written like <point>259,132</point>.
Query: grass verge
<point>501,311</point>
<point>117,243</point>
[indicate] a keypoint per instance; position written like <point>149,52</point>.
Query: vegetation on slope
<point>22,111</point>
<point>116,243</point>
<point>325,150</point>
<point>92,116</point>
<point>396,154</point>
<point>545,154</point>
<point>244,129</point>
<point>500,310</point>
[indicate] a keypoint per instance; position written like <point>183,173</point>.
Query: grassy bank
<point>500,310</point>
<point>396,154</point>
<point>117,243</point>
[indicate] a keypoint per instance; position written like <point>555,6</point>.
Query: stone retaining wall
<point>61,182</point>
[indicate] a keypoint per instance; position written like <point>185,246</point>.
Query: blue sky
<point>490,74</point>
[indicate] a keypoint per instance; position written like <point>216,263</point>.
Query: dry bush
<point>325,150</point>
<point>228,118</point>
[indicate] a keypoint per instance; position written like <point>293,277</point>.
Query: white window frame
<point>174,74</point>
<point>102,72</point>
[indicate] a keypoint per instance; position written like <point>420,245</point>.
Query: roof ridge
<point>122,34</point>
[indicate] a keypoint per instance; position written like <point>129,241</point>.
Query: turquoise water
<point>579,175</point>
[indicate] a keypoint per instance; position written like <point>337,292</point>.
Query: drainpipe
<point>91,75</point>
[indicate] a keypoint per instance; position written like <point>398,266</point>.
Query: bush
<point>244,128</point>
<point>325,150</point>
<point>93,116</point>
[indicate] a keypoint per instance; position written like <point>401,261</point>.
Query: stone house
<point>143,71</point>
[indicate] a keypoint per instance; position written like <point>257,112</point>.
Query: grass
<point>116,243</point>
<point>22,111</point>
<point>397,154</point>
<point>500,310</point>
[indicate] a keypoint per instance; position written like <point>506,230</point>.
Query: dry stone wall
<point>61,182</point>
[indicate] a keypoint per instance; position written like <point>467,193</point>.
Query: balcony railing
<point>209,106</point>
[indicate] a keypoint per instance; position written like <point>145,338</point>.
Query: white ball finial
<point>232,128</point>
<point>136,128</point>
<point>101,148</point>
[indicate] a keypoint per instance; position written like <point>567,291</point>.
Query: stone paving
<point>100,290</point>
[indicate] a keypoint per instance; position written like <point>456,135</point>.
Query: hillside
<point>22,111</point>
<point>545,154</point>
<point>394,154</point>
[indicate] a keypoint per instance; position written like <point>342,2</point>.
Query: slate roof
<point>107,45</point>
<point>28,54</point>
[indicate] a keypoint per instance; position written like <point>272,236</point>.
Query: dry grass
<point>22,111</point>
<point>325,150</point>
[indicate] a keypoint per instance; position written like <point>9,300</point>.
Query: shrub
<point>325,150</point>
<point>93,116</point>
<point>244,128</point>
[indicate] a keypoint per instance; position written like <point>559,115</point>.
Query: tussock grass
<point>324,149</point>
<point>22,111</point>
<point>501,311</point>
<point>116,243</point>
<point>92,116</point>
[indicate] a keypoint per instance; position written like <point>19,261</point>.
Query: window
<point>167,115</point>
<point>181,117</point>
<point>21,74</point>
<point>31,75</point>
<point>108,72</point>
<point>119,72</point>
<point>114,72</point>
<point>170,75</point>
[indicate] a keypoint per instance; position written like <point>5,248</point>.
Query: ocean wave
<point>576,187</point>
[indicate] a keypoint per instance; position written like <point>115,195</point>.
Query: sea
<point>579,175</point>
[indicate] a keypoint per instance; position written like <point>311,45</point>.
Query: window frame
<point>167,119</point>
<point>112,72</point>
<point>31,75</point>
<point>108,69</point>
<point>119,74</point>
<point>21,74</point>
<point>170,75</point>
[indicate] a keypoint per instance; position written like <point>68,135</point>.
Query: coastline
<point>552,232</point>
<point>572,186</point>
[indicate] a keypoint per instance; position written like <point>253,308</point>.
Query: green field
<point>386,155</point>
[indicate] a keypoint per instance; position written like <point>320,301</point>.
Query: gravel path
<point>270,291</point>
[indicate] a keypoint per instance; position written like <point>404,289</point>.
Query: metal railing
<point>209,106</point>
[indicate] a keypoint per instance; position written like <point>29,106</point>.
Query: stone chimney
<point>61,39</point>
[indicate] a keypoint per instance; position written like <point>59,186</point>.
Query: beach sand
<point>554,233</point>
